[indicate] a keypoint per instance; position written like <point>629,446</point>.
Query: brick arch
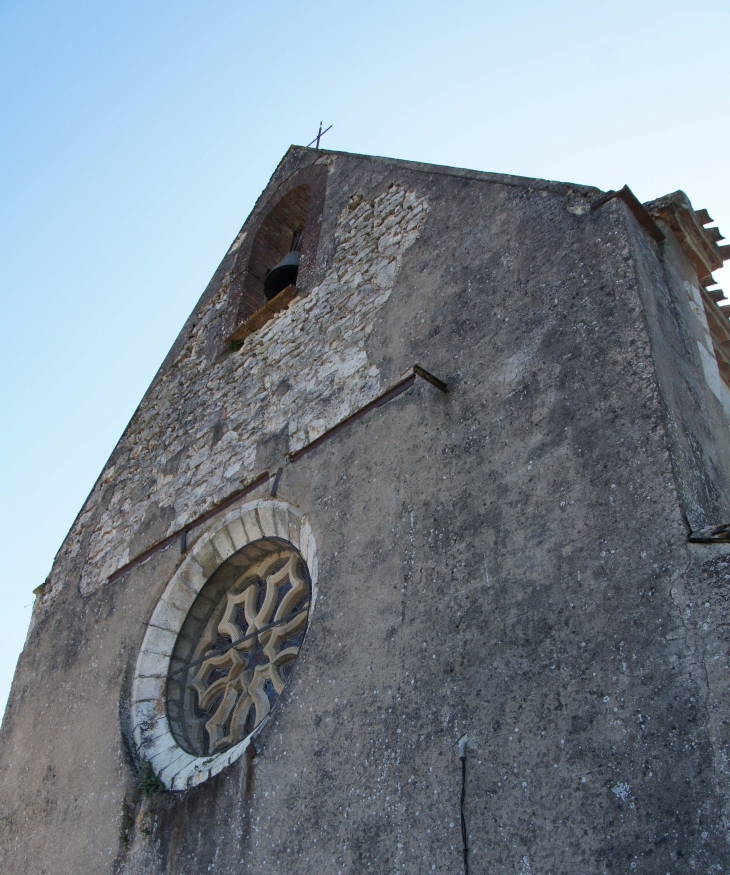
<point>296,206</point>
<point>284,223</point>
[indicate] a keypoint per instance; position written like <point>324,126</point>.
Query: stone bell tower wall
<point>507,559</point>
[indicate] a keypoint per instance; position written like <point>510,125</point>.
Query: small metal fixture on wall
<point>464,838</point>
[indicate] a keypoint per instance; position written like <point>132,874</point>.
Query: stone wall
<point>508,559</point>
<point>195,440</point>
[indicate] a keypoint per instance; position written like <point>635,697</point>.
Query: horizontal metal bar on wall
<point>401,386</point>
<point>382,399</point>
<point>182,533</point>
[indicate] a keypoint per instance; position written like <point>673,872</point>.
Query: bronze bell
<point>281,276</point>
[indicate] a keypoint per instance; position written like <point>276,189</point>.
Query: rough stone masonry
<point>519,559</point>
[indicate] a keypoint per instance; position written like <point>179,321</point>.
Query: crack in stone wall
<point>195,439</point>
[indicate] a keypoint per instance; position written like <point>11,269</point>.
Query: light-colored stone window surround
<point>262,518</point>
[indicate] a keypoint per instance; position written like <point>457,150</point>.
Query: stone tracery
<point>242,658</point>
<point>233,691</point>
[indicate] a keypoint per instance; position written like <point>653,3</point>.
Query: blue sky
<point>135,138</point>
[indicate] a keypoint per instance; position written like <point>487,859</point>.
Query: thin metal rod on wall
<point>183,533</point>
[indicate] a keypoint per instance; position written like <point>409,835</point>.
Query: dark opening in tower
<point>275,253</point>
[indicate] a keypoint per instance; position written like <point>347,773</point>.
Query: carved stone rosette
<point>242,661</point>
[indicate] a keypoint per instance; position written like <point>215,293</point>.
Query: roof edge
<point>459,172</point>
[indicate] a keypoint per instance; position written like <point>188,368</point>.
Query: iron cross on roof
<point>320,134</point>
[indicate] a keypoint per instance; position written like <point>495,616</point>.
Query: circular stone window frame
<point>155,742</point>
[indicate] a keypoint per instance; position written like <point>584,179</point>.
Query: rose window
<point>237,647</point>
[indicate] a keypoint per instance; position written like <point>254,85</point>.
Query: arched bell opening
<point>277,257</point>
<point>276,250</point>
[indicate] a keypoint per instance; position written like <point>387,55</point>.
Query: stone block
<point>152,748</point>
<point>168,763</point>
<point>159,640</point>
<point>208,557</point>
<point>251,524</point>
<point>281,523</point>
<point>150,729</point>
<point>266,520</point>
<point>152,664</point>
<point>293,533</point>
<point>237,533</point>
<point>148,688</point>
<point>179,596</point>
<point>167,616</point>
<point>224,543</point>
<point>190,575</point>
<point>146,712</point>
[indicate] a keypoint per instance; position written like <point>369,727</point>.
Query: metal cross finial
<point>320,134</point>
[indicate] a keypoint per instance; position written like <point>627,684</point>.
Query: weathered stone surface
<point>327,378</point>
<point>508,560</point>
